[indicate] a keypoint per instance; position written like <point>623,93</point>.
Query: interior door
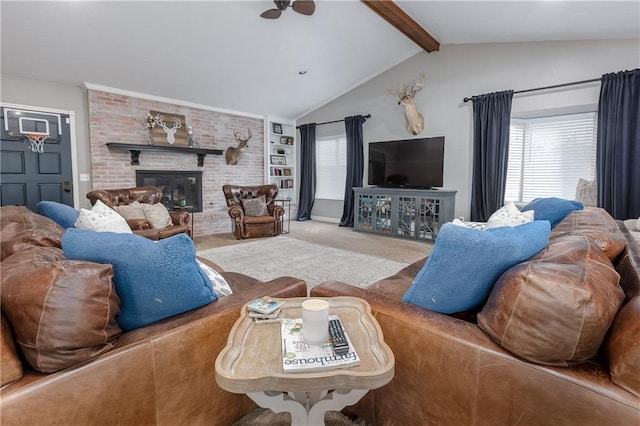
<point>27,177</point>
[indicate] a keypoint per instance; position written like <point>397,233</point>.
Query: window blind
<point>331,167</point>
<point>548,155</point>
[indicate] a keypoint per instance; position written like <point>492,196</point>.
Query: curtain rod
<point>549,87</point>
<point>366,117</point>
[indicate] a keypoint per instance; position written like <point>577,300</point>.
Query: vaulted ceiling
<point>223,54</point>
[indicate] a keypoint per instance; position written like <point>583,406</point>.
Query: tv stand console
<point>403,213</point>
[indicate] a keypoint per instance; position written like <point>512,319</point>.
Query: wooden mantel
<point>135,149</point>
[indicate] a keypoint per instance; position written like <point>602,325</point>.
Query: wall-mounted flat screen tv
<point>411,163</point>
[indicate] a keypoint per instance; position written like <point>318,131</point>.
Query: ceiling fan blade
<point>271,14</point>
<point>305,7</point>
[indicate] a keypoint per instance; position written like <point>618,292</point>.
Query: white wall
<point>44,94</point>
<point>459,71</point>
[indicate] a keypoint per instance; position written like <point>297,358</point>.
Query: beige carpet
<point>266,417</point>
<point>269,258</point>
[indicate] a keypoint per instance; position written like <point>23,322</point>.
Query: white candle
<point>315,321</point>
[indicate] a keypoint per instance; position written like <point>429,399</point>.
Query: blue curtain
<point>491,120</point>
<point>307,171</point>
<point>618,149</point>
<point>355,165</point>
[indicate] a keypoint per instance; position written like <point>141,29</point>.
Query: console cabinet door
<point>416,214</point>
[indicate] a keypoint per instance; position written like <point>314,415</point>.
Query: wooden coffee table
<point>251,363</point>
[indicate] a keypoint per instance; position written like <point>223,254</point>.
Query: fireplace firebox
<point>179,189</point>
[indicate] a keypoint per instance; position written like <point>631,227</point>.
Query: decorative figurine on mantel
<point>193,142</point>
<point>233,154</point>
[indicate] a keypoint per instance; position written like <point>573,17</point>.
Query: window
<point>331,167</point>
<point>548,155</point>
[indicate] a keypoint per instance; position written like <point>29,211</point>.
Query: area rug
<point>269,258</point>
<point>266,417</point>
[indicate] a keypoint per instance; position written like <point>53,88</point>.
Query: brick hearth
<point>119,118</point>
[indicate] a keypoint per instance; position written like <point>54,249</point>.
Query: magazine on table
<point>299,357</point>
<point>266,305</point>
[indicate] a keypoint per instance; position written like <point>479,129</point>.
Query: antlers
<point>242,142</point>
<point>158,120</point>
<point>233,154</point>
<point>154,121</point>
<point>415,88</point>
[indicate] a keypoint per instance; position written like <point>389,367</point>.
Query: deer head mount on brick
<point>415,120</point>
<point>233,154</point>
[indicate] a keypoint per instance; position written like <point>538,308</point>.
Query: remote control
<point>338,340</point>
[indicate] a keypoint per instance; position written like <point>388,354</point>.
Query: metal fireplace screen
<point>180,190</point>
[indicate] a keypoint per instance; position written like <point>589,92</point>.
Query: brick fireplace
<point>120,118</point>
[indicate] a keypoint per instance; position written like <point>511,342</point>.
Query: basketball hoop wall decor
<point>36,141</point>
<point>37,133</point>
<point>33,126</point>
<point>167,129</point>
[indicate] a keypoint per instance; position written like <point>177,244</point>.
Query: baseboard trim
<point>325,219</point>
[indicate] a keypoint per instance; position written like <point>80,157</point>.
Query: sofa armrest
<point>180,218</point>
<point>210,264</point>
<point>236,213</point>
<point>102,195</point>
<point>408,314</point>
<point>162,373</point>
<point>276,211</point>
<point>139,224</point>
<point>449,372</point>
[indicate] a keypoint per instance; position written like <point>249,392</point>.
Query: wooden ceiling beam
<point>397,17</point>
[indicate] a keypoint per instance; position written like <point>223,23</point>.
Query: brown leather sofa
<point>449,371</point>
<point>244,225</point>
<point>160,374</point>
<point>143,194</point>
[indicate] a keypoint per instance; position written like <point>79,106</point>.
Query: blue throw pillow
<point>465,263</point>
<point>62,214</point>
<point>154,280</point>
<point>552,209</point>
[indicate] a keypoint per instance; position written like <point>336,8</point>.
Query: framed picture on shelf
<point>286,140</point>
<point>287,183</point>
<point>280,151</point>
<point>286,172</point>
<point>278,160</point>
<point>276,128</point>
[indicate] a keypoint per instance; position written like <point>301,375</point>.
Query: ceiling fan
<point>305,7</point>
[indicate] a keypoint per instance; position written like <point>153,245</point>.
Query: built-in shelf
<point>135,149</point>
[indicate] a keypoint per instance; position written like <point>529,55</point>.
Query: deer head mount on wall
<point>233,154</point>
<point>415,120</point>
<point>158,120</point>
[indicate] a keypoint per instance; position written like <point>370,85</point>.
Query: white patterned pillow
<point>131,211</point>
<point>586,192</point>
<point>509,215</point>
<point>157,214</point>
<point>473,225</point>
<point>220,285</point>
<point>102,219</point>
<point>458,222</point>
